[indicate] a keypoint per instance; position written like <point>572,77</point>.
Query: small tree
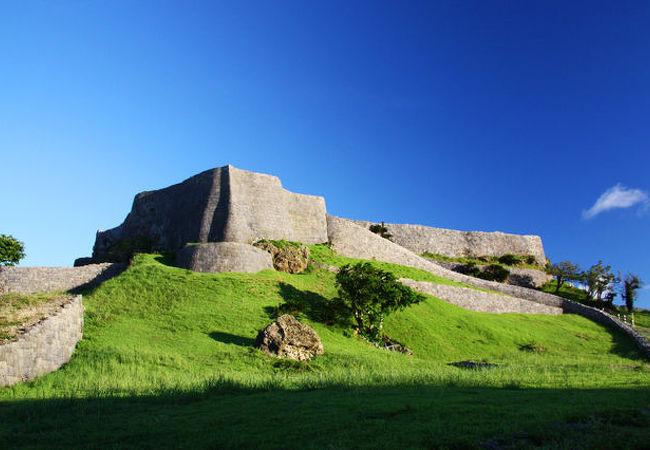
<point>370,294</point>
<point>631,284</point>
<point>565,271</point>
<point>381,230</point>
<point>11,250</point>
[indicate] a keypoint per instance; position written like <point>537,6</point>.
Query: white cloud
<point>617,197</point>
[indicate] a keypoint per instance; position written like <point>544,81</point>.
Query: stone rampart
<point>518,276</point>
<point>26,280</point>
<point>480,301</point>
<point>352,240</point>
<point>43,347</point>
<point>220,205</point>
<point>215,257</point>
<point>420,239</point>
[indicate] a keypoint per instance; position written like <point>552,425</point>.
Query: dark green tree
<point>565,271</point>
<point>11,250</point>
<point>370,294</point>
<point>631,284</point>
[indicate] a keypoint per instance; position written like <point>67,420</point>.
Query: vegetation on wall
<point>381,230</point>
<point>520,261</point>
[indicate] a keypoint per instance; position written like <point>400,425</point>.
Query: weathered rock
<point>288,338</point>
<point>216,257</point>
<point>287,258</point>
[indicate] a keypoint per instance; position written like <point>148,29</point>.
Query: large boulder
<point>288,338</point>
<point>289,258</point>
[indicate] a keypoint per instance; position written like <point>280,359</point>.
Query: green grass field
<point>167,361</point>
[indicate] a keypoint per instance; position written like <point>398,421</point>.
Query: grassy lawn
<point>167,361</point>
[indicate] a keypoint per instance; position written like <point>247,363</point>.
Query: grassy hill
<point>167,360</point>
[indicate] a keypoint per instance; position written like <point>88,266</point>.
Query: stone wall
<point>480,301</point>
<point>43,347</point>
<point>350,239</point>
<point>26,280</point>
<point>215,257</point>
<point>606,319</point>
<point>220,205</point>
<point>420,239</point>
<point>518,276</point>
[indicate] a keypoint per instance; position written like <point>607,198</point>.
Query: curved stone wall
<point>225,204</point>
<point>43,347</point>
<point>421,239</point>
<point>26,280</point>
<point>350,239</point>
<point>480,301</point>
<point>215,257</point>
<point>518,276</point>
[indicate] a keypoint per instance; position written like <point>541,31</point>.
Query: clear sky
<point>524,117</point>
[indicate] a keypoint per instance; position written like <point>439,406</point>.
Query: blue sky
<point>523,117</point>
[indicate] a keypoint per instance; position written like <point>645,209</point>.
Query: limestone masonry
<point>420,239</point>
<point>215,257</point>
<point>26,280</point>
<point>44,347</point>
<point>219,205</point>
<point>232,205</point>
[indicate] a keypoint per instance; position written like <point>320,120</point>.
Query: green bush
<point>370,293</point>
<point>11,250</point>
<point>381,230</point>
<point>495,272</point>
<point>509,259</point>
<point>530,259</point>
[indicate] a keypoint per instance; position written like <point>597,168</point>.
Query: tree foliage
<point>631,284</point>
<point>564,271</point>
<point>381,230</point>
<point>600,281</point>
<point>370,294</point>
<point>11,250</point>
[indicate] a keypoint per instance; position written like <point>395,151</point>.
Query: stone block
<point>215,257</point>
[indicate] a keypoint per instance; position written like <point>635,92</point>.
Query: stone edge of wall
<point>27,280</point>
<point>43,347</point>
<point>217,257</point>
<point>480,301</point>
<point>353,240</point>
<point>518,276</point>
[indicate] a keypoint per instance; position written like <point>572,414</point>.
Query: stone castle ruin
<point>227,204</point>
<point>209,222</point>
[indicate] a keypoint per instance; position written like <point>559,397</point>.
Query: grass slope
<point>167,360</point>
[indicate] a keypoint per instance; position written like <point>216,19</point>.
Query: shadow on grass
<point>227,414</point>
<point>90,286</point>
<point>228,338</point>
<point>313,305</point>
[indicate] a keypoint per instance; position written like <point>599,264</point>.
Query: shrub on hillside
<point>530,259</point>
<point>370,293</point>
<point>11,250</point>
<point>494,272</point>
<point>509,259</point>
